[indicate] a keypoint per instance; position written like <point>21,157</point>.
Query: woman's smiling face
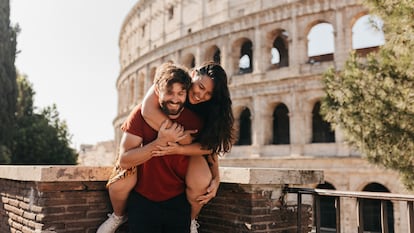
<point>201,89</point>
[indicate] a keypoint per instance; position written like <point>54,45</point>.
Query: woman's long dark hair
<point>217,134</point>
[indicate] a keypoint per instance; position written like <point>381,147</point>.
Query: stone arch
<point>124,91</point>
<point>242,56</point>
<point>152,72</point>
<point>245,128</point>
<point>213,53</point>
<point>188,61</point>
<point>132,80</point>
<point>278,45</point>
<point>317,51</point>
<point>354,18</point>
<point>321,129</point>
<point>140,85</point>
<point>281,125</point>
<point>366,37</point>
<point>371,210</point>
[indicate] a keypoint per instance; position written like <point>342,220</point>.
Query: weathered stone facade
<point>100,154</point>
<point>191,32</point>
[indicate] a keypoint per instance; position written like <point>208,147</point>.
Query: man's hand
<point>211,192</point>
<point>170,132</point>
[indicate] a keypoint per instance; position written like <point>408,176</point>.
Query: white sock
<point>116,216</point>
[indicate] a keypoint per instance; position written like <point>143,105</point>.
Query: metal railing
<point>360,197</point>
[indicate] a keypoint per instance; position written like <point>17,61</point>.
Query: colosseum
<point>274,52</point>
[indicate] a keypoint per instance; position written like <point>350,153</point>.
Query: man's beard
<point>171,112</point>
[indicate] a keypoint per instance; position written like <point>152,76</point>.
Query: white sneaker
<point>194,225</point>
<point>112,223</point>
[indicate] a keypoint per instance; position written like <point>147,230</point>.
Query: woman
<point>209,97</point>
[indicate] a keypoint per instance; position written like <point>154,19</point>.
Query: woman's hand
<point>171,132</point>
<point>188,139</point>
<point>184,137</point>
<point>172,148</point>
<point>211,192</point>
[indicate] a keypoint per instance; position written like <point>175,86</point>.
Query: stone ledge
<point>238,175</point>
<point>54,173</point>
<point>279,176</point>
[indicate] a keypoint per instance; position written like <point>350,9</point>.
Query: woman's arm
<point>213,161</point>
<point>154,117</point>
<point>193,149</point>
<point>150,110</point>
<point>215,181</point>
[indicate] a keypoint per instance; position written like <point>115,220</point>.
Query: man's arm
<point>132,153</point>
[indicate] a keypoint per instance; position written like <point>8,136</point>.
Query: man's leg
<point>177,215</point>
<point>144,216</point>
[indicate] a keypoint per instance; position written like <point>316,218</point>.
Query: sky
<point>69,52</point>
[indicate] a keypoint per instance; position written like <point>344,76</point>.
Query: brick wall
<point>250,208</point>
<point>28,206</point>
<point>74,199</point>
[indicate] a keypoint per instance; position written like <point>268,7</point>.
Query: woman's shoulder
<point>202,109</point>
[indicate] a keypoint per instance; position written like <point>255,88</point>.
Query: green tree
<point>8,90</point>
<point>40,138</point>
<point>372,98</point>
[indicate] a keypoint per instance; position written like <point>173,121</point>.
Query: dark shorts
<point>171,216</point>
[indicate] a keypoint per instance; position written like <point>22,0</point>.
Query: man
<point>158,203</point>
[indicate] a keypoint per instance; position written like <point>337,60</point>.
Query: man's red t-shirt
<point>160,178</point>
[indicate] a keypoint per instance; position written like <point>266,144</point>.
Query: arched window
<point>328,210</point>
<point>367,34</point>
<point>143,30</point>
<point>170,13</point>
<point>217,56</point>
<point>188,61</point>
<point>321,129</point>
<point>214,54</point>
<point>281,133</point>
<point>321,43</point>
<point>280,53</point>
<point>371,210</point>
<point>275,57</point>
<point>245,132</point>
<point>246,58</point>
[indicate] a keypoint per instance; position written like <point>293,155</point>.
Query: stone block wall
<point>44,199</point>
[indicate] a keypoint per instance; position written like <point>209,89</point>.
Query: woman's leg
<point>119,192</point>
<point>119,186</point>
<point>198,180</point>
